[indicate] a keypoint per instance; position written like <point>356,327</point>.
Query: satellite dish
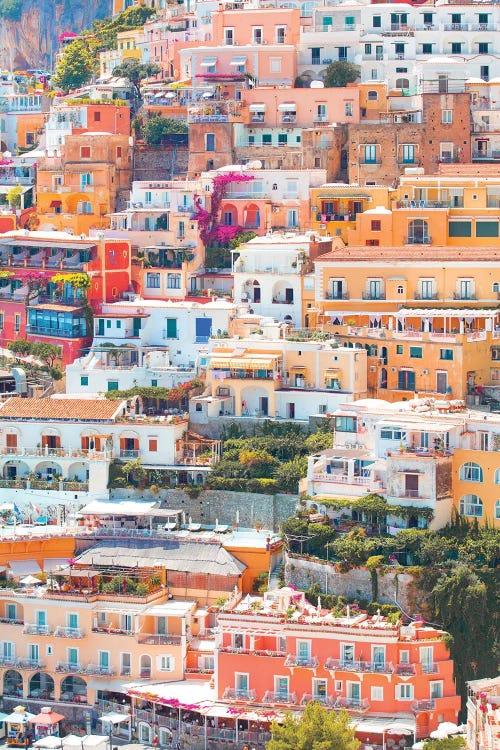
<point>317,85</point>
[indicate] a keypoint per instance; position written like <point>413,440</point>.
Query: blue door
<point>203,329</point>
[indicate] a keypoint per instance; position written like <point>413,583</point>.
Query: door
<point>100,326</point>
<point>281,685</point>
<point>347,653</point>
<point>104,661</point>
<point>73,656</point>
<point>256,293</point>
<point>426,658</point>
<point>375,289</point>
<point>125,665</point>
<point>161,625</point>
<point>137,327</point>
<point>303,651</point>
<point>291,411</point>
<point>33,652</point>
<point>41,619</point>
<point>354,693</point>
<point>241,684</point>
<point>411,485</point>
<point>264,406</point>
<point>441,382</point>
<point>289,296</point>
<point>443,84</point>
<point>378,656</point>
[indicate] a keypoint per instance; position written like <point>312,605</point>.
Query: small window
<point>427,49</point>
<point>486,228</point>
<point>377,693</point>
<point>97,116</point>
<point>153,445</point>
<point>348,109</point>
<point>400,290</point>
<point>460,229</point>
<point>84,380</point>
<point>85,152</point>
<point>484,48</point>
<point>372,96</point>
<point>404,692</point>
<point>446,354</point>
<point>113,385</point>
<point>399,349</point>
<point>377,22</point>
<point>456,48</point>
<point>447,116</point>
<point>416,352</point>
<point>376,225</point>
<point>118,152</point>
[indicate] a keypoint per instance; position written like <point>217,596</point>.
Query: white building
<point>269,273</point>
<point>148,343</point>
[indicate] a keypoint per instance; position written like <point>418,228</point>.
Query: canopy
<point>20,568</point>
<point>386,725</point>
<point>287,107</point>
<point>240,60</point>
<point>19,716</point>
<point>242,363</point>
<point>188,694</point>
<point>257,108</point>
<point>114,717</point>
<point>51,742</point>
<point>207,62</point>
<point>88,740</point>
<point>47,717</point>
<point>30,581</point>
<point>121,508</point>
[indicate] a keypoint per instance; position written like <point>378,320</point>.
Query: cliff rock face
<point>32,41</point>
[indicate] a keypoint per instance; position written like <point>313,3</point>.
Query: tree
<point>448,743</point>
<point>48,353</point>
<point>135,72</point>
<point>76,66</point>
<point>20,347</point>
<point>317,729</point>
<point>157,127</point>
<point>134,472</point>
<point>339,73</point>
<point>289,473</point>
<point>14,196</point>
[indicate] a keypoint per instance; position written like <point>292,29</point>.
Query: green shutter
<point>486,228</point>
<point>112,385</point>
<point>460,229</point>
<point>171,328</point>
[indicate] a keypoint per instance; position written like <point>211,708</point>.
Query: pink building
<point>301,108</point>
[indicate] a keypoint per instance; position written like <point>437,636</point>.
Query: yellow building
<point>335,208</point>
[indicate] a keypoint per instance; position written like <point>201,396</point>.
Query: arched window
<point>418,232</point>
<point>471,472</point>
<point>402,83</point>
<point>372,96</point>
<point>471,505</point>
<point>497,476</point>
<point>497,510</point>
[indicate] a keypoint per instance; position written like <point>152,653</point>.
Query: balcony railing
<point>62,632</point>
<point>63,333</point>
<point>33,629</point>
<point>10,621</point>
<point>71,667</point>
<point>279,697</point>
<point>352,704</point>
<point>308,662</point>
<point>464,296</point>
<point>430,668</point>
<point>359,666</point>
<point>405,669</point>
<point>331,295</point>
<point>419,706</point>
<point>425,240</point>
<point>232,694</point>
<point>374,295</point>
<point>420,295</point>
<point>287,119</point>
<point>325,700</point>
<point>130,453</point>
<point>159,639</point>
<point>29,664</point>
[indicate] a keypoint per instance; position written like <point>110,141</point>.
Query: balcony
<point>99,671</point>
<point>340,665</point>
<point>321,120</point>
<point>29,664</point>
<point>70,667</point>
<point>63,333</point>
<point>456,27</point>
<point>157,639</point>
<point>419,706</point>
<point>279,697</point>
<point>62,632</point>
<point>352,704</point>
<point>325,700</point>
<point>10,621</point>
<point>425,240</point>
<point>231,694</point>
<point>405,669</point>
<point>288,119</point>
<point>258,117</point>
<point>130,453</point>
<point>374,295</point>
<point>32,629</point>
<point>430,668</point>
<point>464,296</point>
<point>331,295</point>
<point>309,662</point>
<point>493,155</point>
<point>420,296</point>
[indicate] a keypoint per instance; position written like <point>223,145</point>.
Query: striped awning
<point>243,363</point>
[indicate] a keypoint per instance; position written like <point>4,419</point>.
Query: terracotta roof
<point>55,307</point>
<point>71,409</point>
<point>418,253</point>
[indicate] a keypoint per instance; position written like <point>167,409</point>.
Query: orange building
<point>280,651</point>
<point>78,189</point>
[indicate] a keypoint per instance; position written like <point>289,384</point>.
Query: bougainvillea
<point>208,221</point>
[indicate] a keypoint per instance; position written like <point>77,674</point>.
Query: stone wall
<point>221,505</point>
<point>165,163</point>
<point>356,584</point>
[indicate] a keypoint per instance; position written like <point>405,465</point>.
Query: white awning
<point>287,107</point>
<point>207,62</point>
<point>113,717</point>
<point>20,568</point>
<point>240,60</point>
<point>257,108</point>
<point>386,725</point>
<point>54,563</point>
<point>121,508</point>
<point>184,692</point>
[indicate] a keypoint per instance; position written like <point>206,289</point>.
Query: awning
<point>287,107</point>
<point>20,568</point>
<point>170,95</point>
<point>257,108</point>
<point>55,204</point>
<point>240,363</point>
<point>240,60</point>
<point>54,563</point>
<point>123,508</point>
<point>183,693</point>
<point>207,62</point>
<point>113,717</point>
<point>385,725</point>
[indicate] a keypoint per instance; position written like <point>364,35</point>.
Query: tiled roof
<point>83,410</point>
<point>420,253</point>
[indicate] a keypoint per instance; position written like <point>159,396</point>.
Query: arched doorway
<point>74,689</point>
<point>13,684</point>
<point>41,687</point>
<point>383,378</point>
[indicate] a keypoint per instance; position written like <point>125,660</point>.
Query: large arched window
<point>418,232</point>
<point>471,505</point>
<point>471,472</point>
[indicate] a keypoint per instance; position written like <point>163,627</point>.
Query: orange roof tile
<point>417,253</point>
<point>68,409</point>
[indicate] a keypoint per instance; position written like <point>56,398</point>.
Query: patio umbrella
<point>51,742</point>
<point>30,581</point>
<point>447,727</point>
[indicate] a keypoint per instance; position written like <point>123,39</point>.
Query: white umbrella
<point>447,727</point>
<point>437,735</point>
<point>50,742</point>
<point>30,581</point>
<point>418,746</point>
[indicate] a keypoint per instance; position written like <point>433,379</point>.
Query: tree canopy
<point>317,729</point>
<point>157,127</point>
<point>340,73</point>
<point>135,72</point>
<point>76,66</point>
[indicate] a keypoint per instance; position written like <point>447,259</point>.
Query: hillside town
<point>250,378</point>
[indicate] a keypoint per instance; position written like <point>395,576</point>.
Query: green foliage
<point>155,393</point>
<point>135,72</point>
<point>76,66</point>
<point>241,484</point>
<point>448,743</point>
<point>20,347</point>
<point>134,472</point>
<point>339,73</point>
<point>80,281</point>
<point>376,507</point>
<point>11,9</point>
<point>14,196</point>
<point>289,473</point>
<point>47,353</point>
<point>157,127</point>
<point>241,238</point>
<point>317,729</point>
<point>319,441</point>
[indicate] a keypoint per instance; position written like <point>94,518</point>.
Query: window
<point>84,380</point>
<point>376,225</point>
<point>275,65</point>
<point>377,693</point>
<point>460,229</point>
<point>486,228</point>
<point>402,83</point>
<point>97,116</point>
<point>209,141</point>
<point>472,506</point>
<point>280,34</point>
<point>343,52</point>
<point>113,385</point>
<point>2,318</point>
<point>399,349</point>
<point>85,152</point>
<point>447,116</point>
<point>17,322</point>
<point>118,152</point>
<point>171,328</point>
<point>281,685</point>
<point>229,36</point>
<point>456,48</point>
<point>404,692</point>
<point>173,281</point>
<point>267,139</point>
<point>435,689</point>
<point>406,380</point>
<point>497,476</point>
<point>153,445</point>
<point>377,22</point>
<point>346,424</point>
<point>319,689</point>
<point>484,72</point>
<point>416,352</point>
<point>315,55</point>
<point>282,139</point>
<point>471,472</point>
<point>370,153</point>
<point>389,434</point>
<point>166,663</point>
<point>348,109</point>
<point>427,49</point>
<point>372,96</point>
<point>418,232</point>
<point>153,280</point>
<point>399,49</point>
<point>408,153</point>
<point>497,510</point>
<point>368,49</point>
<point>483,48</point>
<point>257,37</point>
